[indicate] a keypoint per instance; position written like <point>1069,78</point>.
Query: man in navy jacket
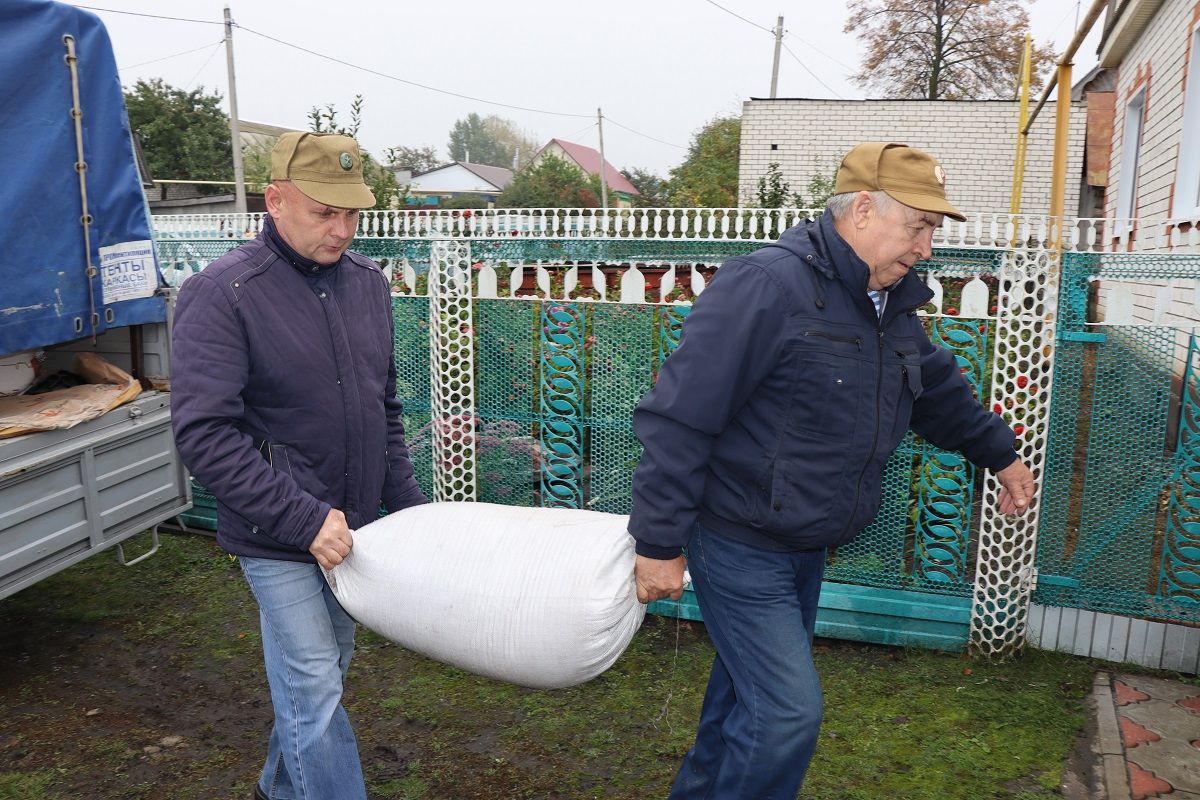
<point>800,369</point>
<point>284,407</point>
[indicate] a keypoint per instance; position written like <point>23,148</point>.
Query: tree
<point>416,159</point>
<point>708,177</point>
<point>184,135</point>
<point>256,165</point>
<point>652,190</point>
<point>490,140</point>
<point>522,145</point>
<point>774,191</point>
<point>820,189</point>
<point>944,49</point>
<point>551,183</point>
<point>324,120</point>
<point>380,179</point>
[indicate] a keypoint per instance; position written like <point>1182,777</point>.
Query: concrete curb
<point>1109,745</point>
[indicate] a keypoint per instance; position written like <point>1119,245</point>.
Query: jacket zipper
<point>875,439</point>
<point>854,340</point>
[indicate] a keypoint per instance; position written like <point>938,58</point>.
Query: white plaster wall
<point>451,179</point>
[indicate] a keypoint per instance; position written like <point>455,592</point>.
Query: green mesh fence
<point>1120,528</point>
<point>411,338</point>
<point>556,382</point>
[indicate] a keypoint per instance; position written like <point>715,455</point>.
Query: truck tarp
<point>46,294</point>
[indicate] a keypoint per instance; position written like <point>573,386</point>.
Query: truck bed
<point>67,494</point>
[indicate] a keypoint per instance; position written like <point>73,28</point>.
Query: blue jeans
<point>307,643</point>
<point>762,710</point>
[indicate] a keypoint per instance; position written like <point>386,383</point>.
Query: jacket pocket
<point>277,455</point>
<point>806,490</point>
<point>909,391</point>
<point>825,402</point>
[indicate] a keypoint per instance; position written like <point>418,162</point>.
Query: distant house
<point>458,179</point>
<point>620,191</point>
<point>184,198</point>
<point>259,136</point>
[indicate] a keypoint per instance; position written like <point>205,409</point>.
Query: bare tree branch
<point>960,49</point>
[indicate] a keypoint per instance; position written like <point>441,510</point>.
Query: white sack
<point>540,597</point>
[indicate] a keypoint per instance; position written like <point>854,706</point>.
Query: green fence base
<point>203,513</point>
<point>865,614</point>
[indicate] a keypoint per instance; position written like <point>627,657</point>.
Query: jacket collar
<point>906,294</point>
<point>275,241</point>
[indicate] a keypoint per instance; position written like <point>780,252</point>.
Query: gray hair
<point>839,204</point>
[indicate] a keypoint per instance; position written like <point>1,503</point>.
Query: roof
<point>588,160</point>
<point>496,176</point>
<point>261,128</point>
<point>1124,25</point>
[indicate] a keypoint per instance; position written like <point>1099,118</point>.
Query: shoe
<point>259,794</point>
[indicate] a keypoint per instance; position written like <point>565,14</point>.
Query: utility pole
<point>235,130</point>
<point>775,64</point>
<point>603,163</point>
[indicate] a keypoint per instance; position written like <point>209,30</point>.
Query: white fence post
<point>452,368</point>
<point>1023,366</point>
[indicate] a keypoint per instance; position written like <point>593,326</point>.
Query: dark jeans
<point>762,710</point>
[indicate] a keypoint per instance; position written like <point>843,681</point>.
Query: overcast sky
<point>659,69</point>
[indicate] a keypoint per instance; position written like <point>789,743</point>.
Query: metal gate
<point>1119,548</point>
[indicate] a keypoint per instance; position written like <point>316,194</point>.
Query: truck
<point>78,278</point>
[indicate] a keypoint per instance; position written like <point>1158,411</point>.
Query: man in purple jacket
<point>801,367</point>
<point>284,407</point>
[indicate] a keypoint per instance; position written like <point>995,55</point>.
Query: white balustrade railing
<point>1092,235</point>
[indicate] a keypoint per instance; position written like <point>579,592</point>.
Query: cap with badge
<point>911,176</point>
<point>326,167</point>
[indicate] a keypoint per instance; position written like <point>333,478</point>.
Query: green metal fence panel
<point>621,342</point>
<point>1119,532</point>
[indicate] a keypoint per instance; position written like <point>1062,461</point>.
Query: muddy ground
<point>146,682</point>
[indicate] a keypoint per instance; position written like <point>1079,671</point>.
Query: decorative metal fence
<point>1121,507</point>
<point>525,339</point>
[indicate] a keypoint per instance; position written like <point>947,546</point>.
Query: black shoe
<point>259,794</point>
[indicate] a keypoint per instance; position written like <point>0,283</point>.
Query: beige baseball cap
<point>326,167</point>
<point>907,174</point>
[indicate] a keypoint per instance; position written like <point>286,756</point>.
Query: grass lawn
<point>146,682</point>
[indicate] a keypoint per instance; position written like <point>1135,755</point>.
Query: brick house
<point>975,140</point>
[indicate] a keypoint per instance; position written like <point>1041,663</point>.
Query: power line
<point>810,72</point>
<point>151,16</point>
<point>216,47</point>
<point>398,79</point>
<point>165,58</point>
<point>739,16</point>
<point>408,82</point>
<point>643,135</point>
<point>584,129</point>
<point>818,50</point>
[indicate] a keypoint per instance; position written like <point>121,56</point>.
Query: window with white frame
<point>1187,175</point>
<point>1131,145</point>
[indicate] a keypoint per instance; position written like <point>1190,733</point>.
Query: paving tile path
<point>1159,730</point>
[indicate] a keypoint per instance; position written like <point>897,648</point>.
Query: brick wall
<point>975,141</point>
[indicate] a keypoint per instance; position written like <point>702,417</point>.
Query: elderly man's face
<point>892,240</point>
<point>314,230</point>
